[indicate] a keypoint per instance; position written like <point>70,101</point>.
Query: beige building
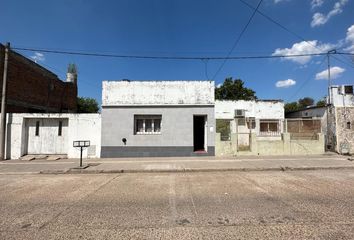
<point>338,126</point>
<point>259,128</point>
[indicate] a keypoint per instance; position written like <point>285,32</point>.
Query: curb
<point>184,170</point>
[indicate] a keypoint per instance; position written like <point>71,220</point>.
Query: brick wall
<point>32,88</point>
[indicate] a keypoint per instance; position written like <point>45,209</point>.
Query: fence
<point>306,129</point>
<point>270,137</point>
<point>299,129</point>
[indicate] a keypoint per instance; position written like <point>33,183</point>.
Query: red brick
<point>34,85</point>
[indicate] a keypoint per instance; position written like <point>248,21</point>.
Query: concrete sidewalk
<point>185,164</point>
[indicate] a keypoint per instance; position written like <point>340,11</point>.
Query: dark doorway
<point>199,133</point>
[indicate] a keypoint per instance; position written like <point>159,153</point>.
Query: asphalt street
<point>215,205</point>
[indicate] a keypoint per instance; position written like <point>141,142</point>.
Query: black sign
<point>81,143</point>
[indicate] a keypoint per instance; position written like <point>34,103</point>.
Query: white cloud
<point>336,72</point>
<point>320,18</point>
<point>350,39</point>
<point>219,85</point>
<point>304,47</point>
<point>285,83</point>
<point>350,34</point>
<point>316,3</point>
<point>38,57</point>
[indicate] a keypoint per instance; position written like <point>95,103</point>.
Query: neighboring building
<point>33,89</point>
<point>341,96</point>
<point>338,127</point>
<point>259,128</point>
<point>341,119</point>
<point>311,113</point>
<point>158,118</point>
<point>263,117</point>
<point>44,135</point>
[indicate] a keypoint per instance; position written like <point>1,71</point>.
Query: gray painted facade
<point>176,135</point>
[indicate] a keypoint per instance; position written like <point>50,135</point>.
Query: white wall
<point>80,127</point>
<point>85,127</point>
<point>341,100</point>
<point>120,93</point>
<point>256,109</point>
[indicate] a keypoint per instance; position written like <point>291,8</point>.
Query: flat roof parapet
<point>144,93</point>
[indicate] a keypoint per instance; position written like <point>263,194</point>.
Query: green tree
<point>321,103</point>
<point>87,105</point>
<point>305,102</point>
<point>234,90</point>
<point>291,107</point>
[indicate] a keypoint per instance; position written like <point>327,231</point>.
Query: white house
<point>263,117</point>
<point>52,134</point>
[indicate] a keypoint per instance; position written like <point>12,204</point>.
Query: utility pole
<point>3,105</point>
<point>329,142</point>
<point>329,75</point>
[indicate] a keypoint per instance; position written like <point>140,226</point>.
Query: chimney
<point>71,75</point>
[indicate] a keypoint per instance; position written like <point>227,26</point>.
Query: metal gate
<point>46,136</point>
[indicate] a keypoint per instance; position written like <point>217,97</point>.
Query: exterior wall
<point>157,93</point>
<point>257,109</point>
<point>285,146</point>
<point>225,148</point>
<point>345,136</point>
<point>334,120</point>
<point>80,127</point>
<point>341,112</point>
<point>32,88</point>
<point>176,138</point>
<point>176,101</point>
<point>341,100</point>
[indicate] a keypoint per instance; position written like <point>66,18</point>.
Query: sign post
<point>81,144</point>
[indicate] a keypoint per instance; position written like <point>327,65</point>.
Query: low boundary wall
<point>284,146</point>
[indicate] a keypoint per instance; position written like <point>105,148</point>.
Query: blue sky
<point>186,28</point>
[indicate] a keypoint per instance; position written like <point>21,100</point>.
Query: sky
<point>207,28</point>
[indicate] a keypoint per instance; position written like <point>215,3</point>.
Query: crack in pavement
<point>76,202</point>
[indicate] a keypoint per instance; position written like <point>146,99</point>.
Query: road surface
<point>215,205</point>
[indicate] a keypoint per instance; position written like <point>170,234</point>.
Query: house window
<point>241,121</point>
<point>223,127</point>
<point>37,128</point>
<point>349,125</point>
<point>348,89</point>
<point>269,127</point>
<point>147,124</point>
<point>60,128</point>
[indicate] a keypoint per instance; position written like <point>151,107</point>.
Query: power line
<point>287,29</point>
<point>307,79</point>
<point>238,39</point>
<point>344,53</point>
<point>171,57</point>
<point>205,61</point>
